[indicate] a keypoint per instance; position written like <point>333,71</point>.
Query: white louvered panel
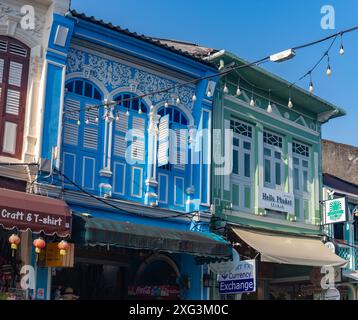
<point>137,150</point>
<point>9,144</point>
<point>1,69</point>
<point>72,107</point>
<point>138,126</point>
<point>70,134</point>
<point>15,73</point>
<point>12,102</point>
<point>122,122</point>
<point>181,149</point>
<point>90,138</point>
<point>163,141</point>
<point>18,50</point>
<point>91,114</point>
<point>3,45</point>
<point>120,146</point>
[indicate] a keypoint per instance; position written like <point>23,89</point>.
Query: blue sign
<point>242,279</point>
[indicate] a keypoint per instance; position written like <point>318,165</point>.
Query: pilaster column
<point>151,195</point>
<point>190,191</point>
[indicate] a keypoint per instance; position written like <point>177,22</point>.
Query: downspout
<point>215,55</point>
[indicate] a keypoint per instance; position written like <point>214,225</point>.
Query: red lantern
<point>39,244</point>
<point>63,246</point>
<point>14,240</point>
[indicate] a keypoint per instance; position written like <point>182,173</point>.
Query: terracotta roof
<point>186,49</point>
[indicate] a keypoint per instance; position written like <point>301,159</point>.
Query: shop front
<point>288,266</point>
<point>117,259</point>
<point>28,224</point>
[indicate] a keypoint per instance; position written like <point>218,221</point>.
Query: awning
<point>96,231</point>
<point>351,274</point>
<point>287,249</point>
<point>25,211</point>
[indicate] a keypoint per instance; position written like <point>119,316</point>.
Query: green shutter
<point>235,195</point>
<point>247,197</point>
<point>306,209</point>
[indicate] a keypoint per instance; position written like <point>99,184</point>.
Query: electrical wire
<point>218,74</point>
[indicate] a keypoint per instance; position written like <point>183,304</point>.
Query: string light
<point>269,107</point>
<point>151,107</point>
<point>87,121</point>
<point>140,110</point>
<point>127,113</point>
<point>178,101</point>
<point>328,71</point>
<point>236,67</point>
<point>252,101</point>
<point>290,104</point>
<point>238,90</point>
<point>117,116</point>
<point>226,89</point>
<point>96,119</point>
<point>341,49</point>
<point>78,122</point>
<point>310,88</point>
<point>194,97</point>
<point>166,104</point>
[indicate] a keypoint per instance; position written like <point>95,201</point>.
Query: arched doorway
<point>156,278</point>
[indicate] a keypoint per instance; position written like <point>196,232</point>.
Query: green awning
<point>96,231</point>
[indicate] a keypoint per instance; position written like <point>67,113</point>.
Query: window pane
<point>247,165</point>
<point>305,181</point>
<point>278,173</point>
<point>88,90</point>
<point>176,116</point>
<point>247,145</point>
<point>296,161</point>
<point>278,155</point>
<point>97,95</point>
<point>135,104</point>
<point>235,162</point>
<point>184,121</point>
<point>267,152</point>
<point>126,102</point>
<point>296,179</point>
<point>267,171</point>
<point>305,163</point>
<point>236,142</point>
<point>69,86</point>
<point>79,87</point>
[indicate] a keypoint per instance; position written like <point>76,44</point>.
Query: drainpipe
<point>215,55</point>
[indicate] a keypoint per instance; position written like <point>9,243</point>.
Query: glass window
<point>267,152</point>
<point>296,180</point>
<point>278,173</point>
<point>305,181</point>
<point>236,142</point>
<point>235,162</point>
<point>247,145</point>
<point>88,90</point>
<point>267,171</point>
<point>79,87</point>
<point>247,165</point>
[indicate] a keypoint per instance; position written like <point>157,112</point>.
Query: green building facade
<point>274,159</point>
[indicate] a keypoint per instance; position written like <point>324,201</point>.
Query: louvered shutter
<point>70,127</point>
<point>90,132</point>
<point>180,149</point>
<point>121,129</point>
<point>138,136</point>
<point>163,141</point>
<point>14,64</point>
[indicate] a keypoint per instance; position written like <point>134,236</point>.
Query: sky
<point>253,29</point>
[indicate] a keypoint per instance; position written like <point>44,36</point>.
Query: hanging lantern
<point>14,240</point>
<point>63,246</point>
<point>39,244</point>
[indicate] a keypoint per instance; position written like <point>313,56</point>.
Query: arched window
<point>82,133</point>
<point>130,116</point>
<point>14,68</point>
<point>173,174</point>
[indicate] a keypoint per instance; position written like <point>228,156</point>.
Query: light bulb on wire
<point>269,107</point>
<point>87,121</point>
<point>140,111</point>
<point>117,116</point>
<point>96,119</point>
<point>166,104</point>
<point>341,49</point>
<point>252,101</point>
<point>310,88</point>
<point>226,89</point>
<point>209,93</point>
<point>328,71</point>
<point>238,90</point>
<point>127,113</point>
<point>194,97</point>
<point>178,101</point>
<point>290,104</point>
<point>78,122</point>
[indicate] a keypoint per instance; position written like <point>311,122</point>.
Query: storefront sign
<point>154,291</point>
<point>332,294</point>
<point>276,200</point>
<point>335,211</point>
<point>225,266</point>
<point>50,257</point>
<point>241,280</point>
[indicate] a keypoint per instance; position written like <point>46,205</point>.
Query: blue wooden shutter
<point>163,147</point>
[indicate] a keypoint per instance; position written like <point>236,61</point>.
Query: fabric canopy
<point>287,249</point>
<point>25,211</point>
<point>96,231</point>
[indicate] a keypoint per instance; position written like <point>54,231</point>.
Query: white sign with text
<point>276,200</point>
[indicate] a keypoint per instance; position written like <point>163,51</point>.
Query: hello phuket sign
<point>276,200</point>
<point>241,280</point>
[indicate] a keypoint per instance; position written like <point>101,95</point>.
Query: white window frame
<point>273,161</point>
<point>240,179</point>
<point>300,193</point>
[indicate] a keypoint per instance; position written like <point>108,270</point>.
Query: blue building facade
<point>133,167</point>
